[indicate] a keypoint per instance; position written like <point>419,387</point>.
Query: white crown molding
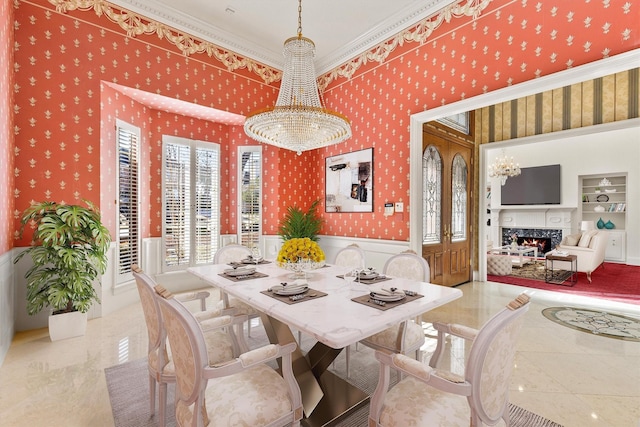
<point>200,29</point>
<point>382,32</point>
<point>193,26</point>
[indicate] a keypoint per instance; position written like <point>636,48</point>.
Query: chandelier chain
<point>299,120</point>
<point>299,18</point>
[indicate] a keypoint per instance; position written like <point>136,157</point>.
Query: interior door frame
<point>590,71</point>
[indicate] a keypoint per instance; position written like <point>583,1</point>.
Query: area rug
<point>128,387</point>
<point>596,322</point>
<point>611,281</point>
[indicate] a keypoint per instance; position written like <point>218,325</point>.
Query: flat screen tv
<point>538,185</point>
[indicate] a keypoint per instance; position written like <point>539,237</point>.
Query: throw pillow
<point>573,239</point>
<point>586,238</point>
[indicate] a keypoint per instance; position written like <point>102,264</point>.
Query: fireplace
<point>543,243</point>
<point>544,239</point>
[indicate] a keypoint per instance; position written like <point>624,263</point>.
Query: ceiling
<point>340,29</point>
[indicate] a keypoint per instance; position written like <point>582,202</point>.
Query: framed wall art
<point>349,182</point>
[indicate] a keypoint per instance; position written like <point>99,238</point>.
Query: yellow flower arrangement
<point>300,249</point>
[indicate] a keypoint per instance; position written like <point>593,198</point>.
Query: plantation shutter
<point>207,204</point>
<point>177,206</point>
<point>191,214</point>
<point>251,195</point>
<point>128,139</point>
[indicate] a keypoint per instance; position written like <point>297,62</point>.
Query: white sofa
<point>589,247</point>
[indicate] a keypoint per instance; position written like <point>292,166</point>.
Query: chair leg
<point>249,327</point>
<point>348,355</point>
<point>163,405</point>
<point>152,394</point>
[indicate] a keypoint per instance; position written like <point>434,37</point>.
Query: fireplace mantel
<point>556,218</point>
<point>529,217</point>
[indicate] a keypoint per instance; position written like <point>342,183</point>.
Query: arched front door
<point>447,207</point>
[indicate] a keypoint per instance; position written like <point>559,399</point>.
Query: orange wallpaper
<point>510,42</point>
<point>6,129</point>
<point>66,117</point>
<point>61,58</point>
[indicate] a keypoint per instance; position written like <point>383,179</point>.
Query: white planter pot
<point>67,325</point>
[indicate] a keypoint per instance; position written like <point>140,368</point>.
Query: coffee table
<point>520,251</point>
<point>549,268</point>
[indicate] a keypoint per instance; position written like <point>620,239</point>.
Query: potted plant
<point>298,224</point>
<point>299,231</point>
<point>69,251</point>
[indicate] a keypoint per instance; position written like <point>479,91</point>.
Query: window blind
<point>191,214</point>
<point>250,182</point>
<point>128,215</point>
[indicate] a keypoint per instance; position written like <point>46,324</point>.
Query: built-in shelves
<point>604,201</point>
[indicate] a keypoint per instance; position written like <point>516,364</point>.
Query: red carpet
<point>616,282</point>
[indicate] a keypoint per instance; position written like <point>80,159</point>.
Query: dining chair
<point>222,344</point>
<point>407,336</point>
<point>351,256</point>
<point>243,391</point>
<point>235,252</point>
<point>428,396</point>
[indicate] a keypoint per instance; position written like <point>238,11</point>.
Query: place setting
<point>294,292</point>
<point>385,298</point>
<point>366,276</point>
<point>239,273</point>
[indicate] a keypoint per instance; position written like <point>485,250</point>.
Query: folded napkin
<point>297,285</point>
<point>241,270</point>
<point>387,291</point>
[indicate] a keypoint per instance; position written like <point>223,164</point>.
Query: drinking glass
<point>350,276</point>
<point>256,255</point>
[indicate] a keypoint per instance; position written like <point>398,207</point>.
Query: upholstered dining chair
<point>234,252</point>
<point>222,344</point>
<point>351,256</point>
<point>408,336</point>
<point>428,396</point>
<point>244,391</point>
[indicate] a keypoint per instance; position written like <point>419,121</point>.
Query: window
<point>459,199</point>
<point>191,202</point>
<point>459,122</point>
<point>250,190</point>
<point>432,195</point>
<point>128,140</point>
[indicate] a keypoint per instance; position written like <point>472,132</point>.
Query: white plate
<point>290,290</point>
<point>242,271</point>
<point>396,296</point>
<point>367,275</point>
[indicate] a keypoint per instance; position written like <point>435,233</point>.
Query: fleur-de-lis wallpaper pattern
<point>6,129</point>
<point>64,116</point>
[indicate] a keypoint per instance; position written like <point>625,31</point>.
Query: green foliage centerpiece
<point>69,251</point>
<point>300,251</point>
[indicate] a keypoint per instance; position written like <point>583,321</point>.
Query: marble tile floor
<point>570,377</point>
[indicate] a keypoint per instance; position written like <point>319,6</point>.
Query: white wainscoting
<point>7,302</point>
<point>114,296</point>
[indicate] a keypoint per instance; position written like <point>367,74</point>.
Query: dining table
<point>334,312</point>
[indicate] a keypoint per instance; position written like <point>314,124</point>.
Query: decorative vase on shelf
<point>600,224</point>
<point>609,225</point>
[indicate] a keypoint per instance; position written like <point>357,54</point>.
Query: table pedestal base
<point>339,400</point>
<point>325,397</point>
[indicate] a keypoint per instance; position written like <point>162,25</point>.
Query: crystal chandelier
<point>299,121</point>
<point>503,168</point>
